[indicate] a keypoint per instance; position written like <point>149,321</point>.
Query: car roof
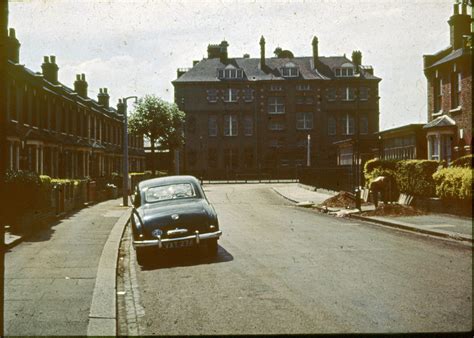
<point>168,180</point>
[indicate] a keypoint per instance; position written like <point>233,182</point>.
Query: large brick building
<point>250,116</point>
<point>61,132</point>
<point>449,75</point>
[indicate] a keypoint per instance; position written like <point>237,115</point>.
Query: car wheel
<point>212,247</point>
<point>142,256</point>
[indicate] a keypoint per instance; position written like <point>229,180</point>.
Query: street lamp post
<point>308,152</point>
<point>125,151</point>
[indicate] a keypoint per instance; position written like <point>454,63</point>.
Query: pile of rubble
<point>393,210</point>
<point>343,199</point>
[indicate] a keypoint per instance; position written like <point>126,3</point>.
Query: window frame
<point>212,130</point>
<point>229,96</point>
<point>302,121</point>
<point>332,125</point>
<point>248,125</point>
<point>278,102</point>
<point>231,126</point>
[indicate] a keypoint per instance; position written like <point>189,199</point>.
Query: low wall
<point>438,205</point>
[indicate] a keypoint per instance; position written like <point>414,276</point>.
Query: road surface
<point>288,270</point>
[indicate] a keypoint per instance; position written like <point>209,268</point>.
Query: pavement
<point>440,225</point>
<point>62,280</point>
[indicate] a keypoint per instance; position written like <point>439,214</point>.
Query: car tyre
<point>142,256</point>
<point>212,247</point>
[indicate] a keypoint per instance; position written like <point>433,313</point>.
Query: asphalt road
<point>284,269</point>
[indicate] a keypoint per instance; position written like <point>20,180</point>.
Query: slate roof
<point>206,69</point>
<point>68,92</point>
<point>451,56</point>
<point>439,122</point>
<point>406,127</point>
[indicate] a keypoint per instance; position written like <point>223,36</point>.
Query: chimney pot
<point>464,9</point>
<point>52,58</point>
<point>315,51</point>
<point>105,90</point>
<point>100,90</point>
<point>456,9</point>
<point>46,59</point>
<point>12,33</point>
<point>262,52</point>
<point>83,77</point>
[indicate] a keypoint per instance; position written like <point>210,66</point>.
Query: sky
<point>135,47</point>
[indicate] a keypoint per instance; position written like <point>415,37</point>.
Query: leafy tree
<point>159,121</point>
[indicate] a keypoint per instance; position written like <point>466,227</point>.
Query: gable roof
<point>206,70</point>
<point>439,122</point>
<point>451,56</point>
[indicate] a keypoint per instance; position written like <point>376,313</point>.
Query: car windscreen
<point>170,192</point>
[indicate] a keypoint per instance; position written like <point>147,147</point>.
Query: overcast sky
<point>135,47</point>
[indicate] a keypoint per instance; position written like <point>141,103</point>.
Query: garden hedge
<point>454,183</point>
<point>464,161</point>
<point>413,177</point>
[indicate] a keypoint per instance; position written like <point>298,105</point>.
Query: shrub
<point>415,177</point>
<point>390,174</point>
<point>454,183</point>
<point>21,190</point>
<point>464,161</point>
<point>25,190</point>
<point>378,163</point>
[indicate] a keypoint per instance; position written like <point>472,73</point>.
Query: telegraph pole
<point>3,145</point>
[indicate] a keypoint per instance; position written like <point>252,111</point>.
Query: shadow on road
<point>185,257</point>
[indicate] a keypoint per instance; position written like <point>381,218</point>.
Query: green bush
<point>415,177</point>
<point>454,183</point>
<point>25,190</point>
<point>21,190</point>
<point>378,163</point>
<point>390,174</point>
<point>464,161</point>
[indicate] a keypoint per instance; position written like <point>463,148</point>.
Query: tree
<point>159,121</point>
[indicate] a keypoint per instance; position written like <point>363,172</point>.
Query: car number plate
<point>179,244</point>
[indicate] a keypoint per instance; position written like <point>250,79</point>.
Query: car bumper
<point>159,242</point>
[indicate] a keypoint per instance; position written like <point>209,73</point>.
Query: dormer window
<point>230,72</point>
<point>345,70</point>
<point>290,70</point>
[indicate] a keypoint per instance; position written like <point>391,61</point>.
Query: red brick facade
<point>449,77</point>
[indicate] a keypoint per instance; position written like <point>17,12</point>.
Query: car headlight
<point>156,233</point>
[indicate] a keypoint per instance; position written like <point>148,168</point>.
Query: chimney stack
<point>50,69</point>
<point>315,51</point>
<point>459,25</point>
<point>357,59</point>
<point>262,52</point>
<point>13,46</point>
<point>223,51</point>
<point>80,85</point>
<point>103,97</point>
<point>120,107</point>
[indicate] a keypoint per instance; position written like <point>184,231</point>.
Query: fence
<point>331,178</point>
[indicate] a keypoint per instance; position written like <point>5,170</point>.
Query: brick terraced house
<point>250,117</point>
<point>61,132</point>
<point>449,76</point>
